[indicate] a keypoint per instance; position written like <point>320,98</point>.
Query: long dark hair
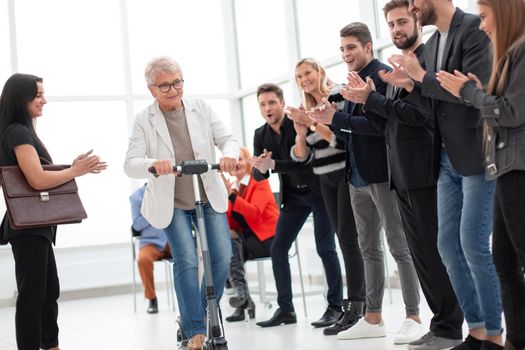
<point>18,91</point>
<point>509,17</point>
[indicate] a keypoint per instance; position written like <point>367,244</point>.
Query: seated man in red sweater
<point>252,217</point>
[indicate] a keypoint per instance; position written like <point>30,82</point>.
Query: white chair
<point>168,268</point>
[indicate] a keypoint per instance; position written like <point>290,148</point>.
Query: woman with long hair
<point>317,143</point>
<point>502,107</point>
<point>21,102</point>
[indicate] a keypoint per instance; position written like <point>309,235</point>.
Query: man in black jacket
<point>300,196</point>
<point>465,198</point>
<point>409,140</point>
<point>373,203</point>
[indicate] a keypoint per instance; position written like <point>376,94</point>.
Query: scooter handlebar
<point>190,167</point>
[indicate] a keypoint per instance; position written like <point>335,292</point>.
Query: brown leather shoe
<point>196,341</point>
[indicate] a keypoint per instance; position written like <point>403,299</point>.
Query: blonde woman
<point>318,144</point>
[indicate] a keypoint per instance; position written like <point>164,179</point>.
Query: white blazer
<point>150,141</point>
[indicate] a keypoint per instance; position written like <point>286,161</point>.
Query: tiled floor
<point>109,323</point>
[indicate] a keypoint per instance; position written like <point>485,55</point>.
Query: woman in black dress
<point>21,102</point>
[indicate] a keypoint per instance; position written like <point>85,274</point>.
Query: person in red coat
<point>252,216</point>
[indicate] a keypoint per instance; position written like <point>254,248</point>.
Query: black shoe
<point>278,318</point>
<point>352,312</point>
<point>238,301</point>
<point>470,343</point>
<point>509,346</point>
<point>153,307</point>
<point>488,345</point>
<point>329,317</point>
<point>238,315</point>
<point>250,307</point>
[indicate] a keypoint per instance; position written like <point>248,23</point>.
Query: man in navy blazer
<point>373,203</point>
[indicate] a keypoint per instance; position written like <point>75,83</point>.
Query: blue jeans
<point>465,222</point>
<point>291,219</point>
<point>191,299</point>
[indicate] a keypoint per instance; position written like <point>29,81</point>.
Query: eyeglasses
<point>165,88</point>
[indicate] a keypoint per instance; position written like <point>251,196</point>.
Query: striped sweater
<point>325,156</point>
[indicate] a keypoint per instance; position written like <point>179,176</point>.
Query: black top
<point>458,125</point>
<point>364,140</point>
<point>295,177</point>
<point>16,135</point>
<point>409,134</point>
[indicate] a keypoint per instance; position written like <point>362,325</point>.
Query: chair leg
<point>301,277</point>
<point>262,281</point>
<point>133,267</point>
<point>167,279</point>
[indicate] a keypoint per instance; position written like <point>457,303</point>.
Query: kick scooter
<point>215,339</point>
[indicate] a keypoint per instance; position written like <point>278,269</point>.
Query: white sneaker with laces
<point>410,331</point>
<point>363,329</point>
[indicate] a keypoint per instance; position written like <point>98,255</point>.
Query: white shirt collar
<point>245,180</point>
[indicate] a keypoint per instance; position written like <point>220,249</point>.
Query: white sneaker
<point>363,329</point>
<point>410,331</point>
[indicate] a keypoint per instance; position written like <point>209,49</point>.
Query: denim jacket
<point>505,115</point>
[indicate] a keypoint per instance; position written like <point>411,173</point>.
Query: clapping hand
<point>454,82</point>
<point>324,112</point>
<point>410,64</point>
<point>357,90</point>
<point>88,163</point>
<point>227,184</point>
<point>263,163</point>
<point>301,121</point>
<point>397,77</point>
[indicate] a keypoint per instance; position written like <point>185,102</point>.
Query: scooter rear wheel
<point>206,346</point>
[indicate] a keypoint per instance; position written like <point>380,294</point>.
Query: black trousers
<point>336,198</point>
<point>293,215</point>
<point>508,251</point>
<point>246,247</point>
<point>418,209</point>
<point>38,292</point>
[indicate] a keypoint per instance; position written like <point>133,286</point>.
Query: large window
<point>262,36</point>
<point>5,58</point>
<point>77,54</point>
<point>338,73</point>
<point>319,25</point>
<point>189,31</point>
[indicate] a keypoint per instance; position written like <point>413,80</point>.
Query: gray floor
<point>109,323</point>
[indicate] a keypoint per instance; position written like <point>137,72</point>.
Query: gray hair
<point>160,65</point>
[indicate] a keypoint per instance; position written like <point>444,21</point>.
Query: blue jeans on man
<point>192,299</point>
<point>465,223</point>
